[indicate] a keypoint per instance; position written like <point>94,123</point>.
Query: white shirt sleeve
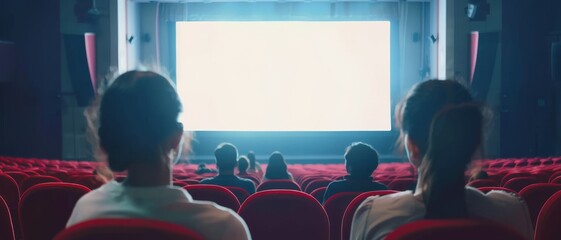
<point>378,216</point>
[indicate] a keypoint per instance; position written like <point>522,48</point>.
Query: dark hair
<point>455,135</point>
<point>243,164</point>
<point>252,160</point>
<point>276,169</point>
<point>361,158</point>
<point>226,156</point>
<point>137,113</point>
<point>414,115</point>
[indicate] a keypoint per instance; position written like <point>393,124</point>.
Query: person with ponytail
<point>441,130</point>
<point>136,128</point>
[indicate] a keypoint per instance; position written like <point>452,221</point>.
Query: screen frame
<point>314,141</point>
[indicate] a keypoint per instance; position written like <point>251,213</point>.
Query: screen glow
<point>284,76</point>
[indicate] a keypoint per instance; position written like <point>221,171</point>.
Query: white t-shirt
<point>378,216</point>
<point>165,203</point>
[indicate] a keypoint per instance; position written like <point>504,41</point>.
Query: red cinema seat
<point>213,193</point>
<point>278,184</point>
<point>240,193</point>
<point>9,190</point>
<point>313,185</point>
<point>556,180</point>
<point>91,181</point>
<point>536,195</point>
<point>18,176</point>
<point>517,184</point>
<point>554,175</point>
<point>514,175</point>
<point>459,229</point>
<point>46,207</point>
<point>127,229</point>
<point>305,181</point>
<point>6,225</point>
<point>402,184</point>
<point>483,183</point>
<point>34,180</point>
<point>319,193</point>
<point>284,214</point>
<point>353,206</point>
<point>547,225</point>
<point>335,207</point>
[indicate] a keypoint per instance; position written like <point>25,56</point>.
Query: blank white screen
<point>284,76</point>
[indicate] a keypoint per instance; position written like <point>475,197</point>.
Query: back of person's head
<point>252,160</point>
<point>137,120</point>
<point>361,159</point>
<point>455,136</point>
<point>415,114</point>
<point>202,166</point>
<point>243,164</point>
<point>226,156</point>
<point>277,166</point>
<point>481,174</point>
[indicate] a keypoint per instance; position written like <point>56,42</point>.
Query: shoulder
<point>207,180</point>
<point>379,215</point>
<point>500,198</point>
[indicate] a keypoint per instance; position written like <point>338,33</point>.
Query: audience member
<point>277,168</point>
<point>243,165</point>
<point>254,166</point>
<point>226,161</point>
<point>138,132</point>
<point>360,161</point>
<point>203,169</point>
<point>441,149</point>
<point>481,174</point>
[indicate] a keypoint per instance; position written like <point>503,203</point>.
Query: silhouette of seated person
<point>202,169</point>
<point>254,166</point>
<point>277,168</point>
<point>226,155</point>
<point>360,161</point>
<point>243,165</point>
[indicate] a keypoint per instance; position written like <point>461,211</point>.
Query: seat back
<point>284,214</point>
<point>127,229</point>
<point>547,225</point>
<point>18,177</point>
<point>353,206</point>
<point>213,193</point>
<point>34,180</point>
<point>46,207</point>
<point>402,184</point>
<point>9,190</point>
<point>313,185</point>
<point>335,207</point>
<point>92,182</point>
<point>536,195</point>
<point>319,193</point>
<point>278,184</point>
<point>512,175</point>
<point>458,229</point>
<point>556,180</point>
<point>483,183</point>
<point>6,225</point>
<point>240,193</point>
<point>519,183</point>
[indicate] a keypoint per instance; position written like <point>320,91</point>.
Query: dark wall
<point>30,107</point>
<point>528,107</point>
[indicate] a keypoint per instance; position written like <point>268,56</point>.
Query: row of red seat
<point>305,175</point>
